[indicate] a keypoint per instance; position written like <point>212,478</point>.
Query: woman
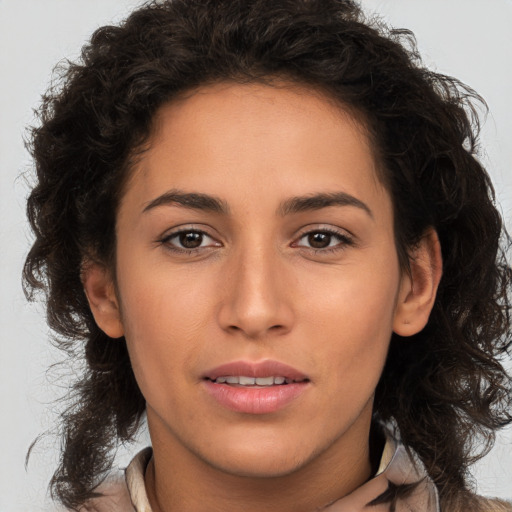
<point>266,223</point>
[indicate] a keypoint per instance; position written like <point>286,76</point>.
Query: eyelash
<point>166,240</point>
<point>343,239</point>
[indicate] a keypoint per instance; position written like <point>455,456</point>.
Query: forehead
<point>231,133</point>
<point>256,106</point>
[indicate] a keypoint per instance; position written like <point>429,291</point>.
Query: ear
<point>418,287</point>
<point>100,291</point>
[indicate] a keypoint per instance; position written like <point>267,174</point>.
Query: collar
<point>397,466</point>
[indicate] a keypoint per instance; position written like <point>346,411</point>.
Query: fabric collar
<point>397,467</point>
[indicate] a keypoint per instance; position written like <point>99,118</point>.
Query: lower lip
<point>254,400</point>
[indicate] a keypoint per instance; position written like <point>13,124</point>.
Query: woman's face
<point>255,241</point>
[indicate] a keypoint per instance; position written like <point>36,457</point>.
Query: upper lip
<point>266,368</point>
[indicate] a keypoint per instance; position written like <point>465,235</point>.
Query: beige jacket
<point>127,493</point>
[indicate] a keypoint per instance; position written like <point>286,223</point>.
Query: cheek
<point>165,318</point>
<point>353,300</point>
<point>351,323</point>
<point>158,300</point>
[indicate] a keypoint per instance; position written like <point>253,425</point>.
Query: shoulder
<point>477,504</point>
<point>115,497</point>
<point>122,490</point>
<point>494,505</point>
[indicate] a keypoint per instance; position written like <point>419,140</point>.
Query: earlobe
<point>100,291</point>
<point>418,288</point>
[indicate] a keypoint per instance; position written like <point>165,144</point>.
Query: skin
<point>255,289</point>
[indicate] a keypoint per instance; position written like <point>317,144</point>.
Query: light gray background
<point>470,39</point>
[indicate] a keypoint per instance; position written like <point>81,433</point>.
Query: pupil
<point>319,240</point>
<point>191,240</point>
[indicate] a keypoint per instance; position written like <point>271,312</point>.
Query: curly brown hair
<point>448,390</point>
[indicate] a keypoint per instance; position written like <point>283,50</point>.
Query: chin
<point>259,468</point>
<point>259,460</point>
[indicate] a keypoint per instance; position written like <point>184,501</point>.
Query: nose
<point>257,298</point>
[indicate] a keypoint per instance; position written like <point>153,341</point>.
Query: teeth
<point>244,380</point>
<point>264,381</point>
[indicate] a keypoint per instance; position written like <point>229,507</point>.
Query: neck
<point>178,480</point>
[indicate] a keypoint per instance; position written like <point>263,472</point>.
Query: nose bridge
<point>256,302</point>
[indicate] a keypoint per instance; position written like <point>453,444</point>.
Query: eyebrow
<point>206,202</point>
<point>319,201</point>
<point>192,200</point>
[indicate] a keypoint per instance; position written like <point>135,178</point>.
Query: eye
<point>324,239</point>
<point>189,240</point>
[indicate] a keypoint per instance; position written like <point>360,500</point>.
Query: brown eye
<point>190,239</point>
<point>319,240</point>
<point>324,240</point>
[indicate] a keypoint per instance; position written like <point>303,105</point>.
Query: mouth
<point>263,387</point>
<point>255,382</point>
<point>261,373</point>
